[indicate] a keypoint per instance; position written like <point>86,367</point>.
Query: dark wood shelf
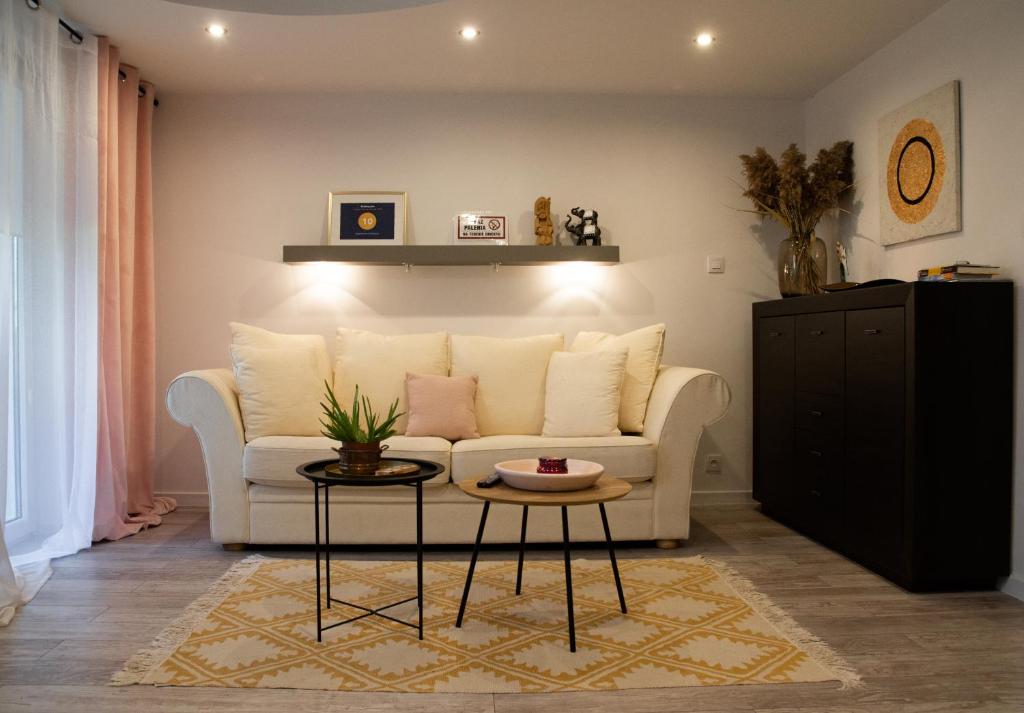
<point>416,255</point>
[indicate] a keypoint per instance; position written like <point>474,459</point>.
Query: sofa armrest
<point>683,403</point>
<point>207,401</point>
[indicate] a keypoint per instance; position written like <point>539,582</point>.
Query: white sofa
<point>256,497</point>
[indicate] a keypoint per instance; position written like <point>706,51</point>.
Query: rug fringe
<point>175,633</point>
<point>787,626</point>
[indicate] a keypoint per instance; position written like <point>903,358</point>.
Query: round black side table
<point>314,472</point>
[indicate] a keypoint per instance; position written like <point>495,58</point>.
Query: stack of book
<point>961,271</point>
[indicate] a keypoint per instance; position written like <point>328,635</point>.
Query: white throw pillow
<point>583,393</point>
<point>511,373</point>
<point>645,348</point>
<point>248,336</point>
<point>378,363</point>
<point>279,390</point>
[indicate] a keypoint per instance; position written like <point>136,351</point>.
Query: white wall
<point>979,43</point>
<point>237,177</point>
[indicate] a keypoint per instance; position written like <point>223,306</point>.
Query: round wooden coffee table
<point>605,489</point>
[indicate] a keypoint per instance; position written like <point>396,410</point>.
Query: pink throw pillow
<point>443,406</point>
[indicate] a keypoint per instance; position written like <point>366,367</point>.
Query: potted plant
<point>360,449</point>
<point>797,196</point>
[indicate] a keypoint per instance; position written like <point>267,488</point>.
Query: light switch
<point>716,264</point>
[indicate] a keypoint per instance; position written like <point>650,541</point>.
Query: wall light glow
<point>327,283</point>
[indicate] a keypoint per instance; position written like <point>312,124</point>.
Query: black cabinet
<point>883,427</point>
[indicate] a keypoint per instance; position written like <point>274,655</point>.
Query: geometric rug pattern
<point>690,623</point>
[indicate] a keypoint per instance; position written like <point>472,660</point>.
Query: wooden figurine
<point>586,229</point>
<point>543,228</point>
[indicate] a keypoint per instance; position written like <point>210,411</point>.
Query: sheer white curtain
<point>48,297</point>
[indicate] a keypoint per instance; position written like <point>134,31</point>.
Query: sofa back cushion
<point>511,376</point>
<point>645,347</point>
<point>583,392</point>
<point>378,363</point>
<point>279,390</point>
<point>246,335</point>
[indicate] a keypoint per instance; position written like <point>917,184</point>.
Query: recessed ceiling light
<point>469,33</point>
<point>704,39</point>
<point>216,30</point>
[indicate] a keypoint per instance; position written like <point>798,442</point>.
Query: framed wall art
<point>366,218</point>
<point>919,166</point>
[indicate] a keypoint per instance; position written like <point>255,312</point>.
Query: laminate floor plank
<point>927,653</point>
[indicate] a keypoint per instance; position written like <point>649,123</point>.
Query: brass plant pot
<point>359,458</point>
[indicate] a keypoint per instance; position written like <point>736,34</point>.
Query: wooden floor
<point>917,653</point>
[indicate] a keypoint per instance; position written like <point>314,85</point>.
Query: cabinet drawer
<point>819,468</point>
<point>820,353</point>
<point>819,413</point>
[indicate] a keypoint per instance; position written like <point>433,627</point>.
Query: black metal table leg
<point>611,556</point>
<point>522,551</point>
<point>419,554</point>
<point>568,579</point>
<point>316,547</point>
<point>472,563</point>
<point>327,540</point>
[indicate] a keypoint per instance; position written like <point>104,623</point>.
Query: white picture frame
<point>367,218</point>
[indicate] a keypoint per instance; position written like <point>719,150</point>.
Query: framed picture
<point>366,218</point>
<point>919,152</point>
<point>482,227</point>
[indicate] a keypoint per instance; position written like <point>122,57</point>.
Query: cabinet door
<point>875,436</point>
<point>773,472</point>
<point>819,352</point>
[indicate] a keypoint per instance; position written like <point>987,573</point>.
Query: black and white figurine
<point>586,229</point>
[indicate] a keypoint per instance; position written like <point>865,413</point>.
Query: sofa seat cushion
<point>272,460</point>
<point>400,495</point>
<point>632,458</point>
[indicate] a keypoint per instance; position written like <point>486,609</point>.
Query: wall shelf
<point>417,255</point>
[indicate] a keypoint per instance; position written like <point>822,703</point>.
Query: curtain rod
<point>77,38</point>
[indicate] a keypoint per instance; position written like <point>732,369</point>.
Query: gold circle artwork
<point>367,221</point>
<point>917,165</point>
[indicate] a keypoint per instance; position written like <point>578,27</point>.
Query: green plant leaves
<point>345,426</point>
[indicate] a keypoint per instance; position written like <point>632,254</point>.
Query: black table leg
<point>316,547</point>
<point>472,563</point>
<point>327,540</point>
<point>568,579</point>
<point>419,554</point>
<point>611,556</point>
<point>522,551</point>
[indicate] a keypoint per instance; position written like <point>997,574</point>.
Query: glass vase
<point>802,266</point>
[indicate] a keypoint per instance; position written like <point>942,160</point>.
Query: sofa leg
<point>234,546</point>
<point>666,544</point>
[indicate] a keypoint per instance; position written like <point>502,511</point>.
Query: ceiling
<point>763,48</point>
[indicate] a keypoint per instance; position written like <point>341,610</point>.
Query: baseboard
<point>721,497</point>
<point>1014,586</point>
<point>189,499</point>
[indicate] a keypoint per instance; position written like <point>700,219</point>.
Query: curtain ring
<point>32,4</point>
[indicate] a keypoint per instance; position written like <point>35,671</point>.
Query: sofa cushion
<point>272,460</point>
<point>512,372</point>
<point>632,458</point>
<point>378,363</point>
<point>246,335</point>
<point>279,390</point>
<point>442,406</point>
<point>645,348</point>
<point>582,394</point>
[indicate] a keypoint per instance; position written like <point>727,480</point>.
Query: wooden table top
<point>605,489</point>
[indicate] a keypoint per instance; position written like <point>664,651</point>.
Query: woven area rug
<point>691,622</point>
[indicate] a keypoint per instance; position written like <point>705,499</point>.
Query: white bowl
<point>522,474</point>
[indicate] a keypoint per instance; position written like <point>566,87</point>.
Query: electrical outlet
<point>713,463</point>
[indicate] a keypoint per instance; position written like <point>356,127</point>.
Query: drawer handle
<point>872,331</point>
<point>817,332</point>
<point>816,454</point>
<point>774,334</point>
<point>816,414</point>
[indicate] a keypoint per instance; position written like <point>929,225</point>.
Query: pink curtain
<point>126,455</point>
